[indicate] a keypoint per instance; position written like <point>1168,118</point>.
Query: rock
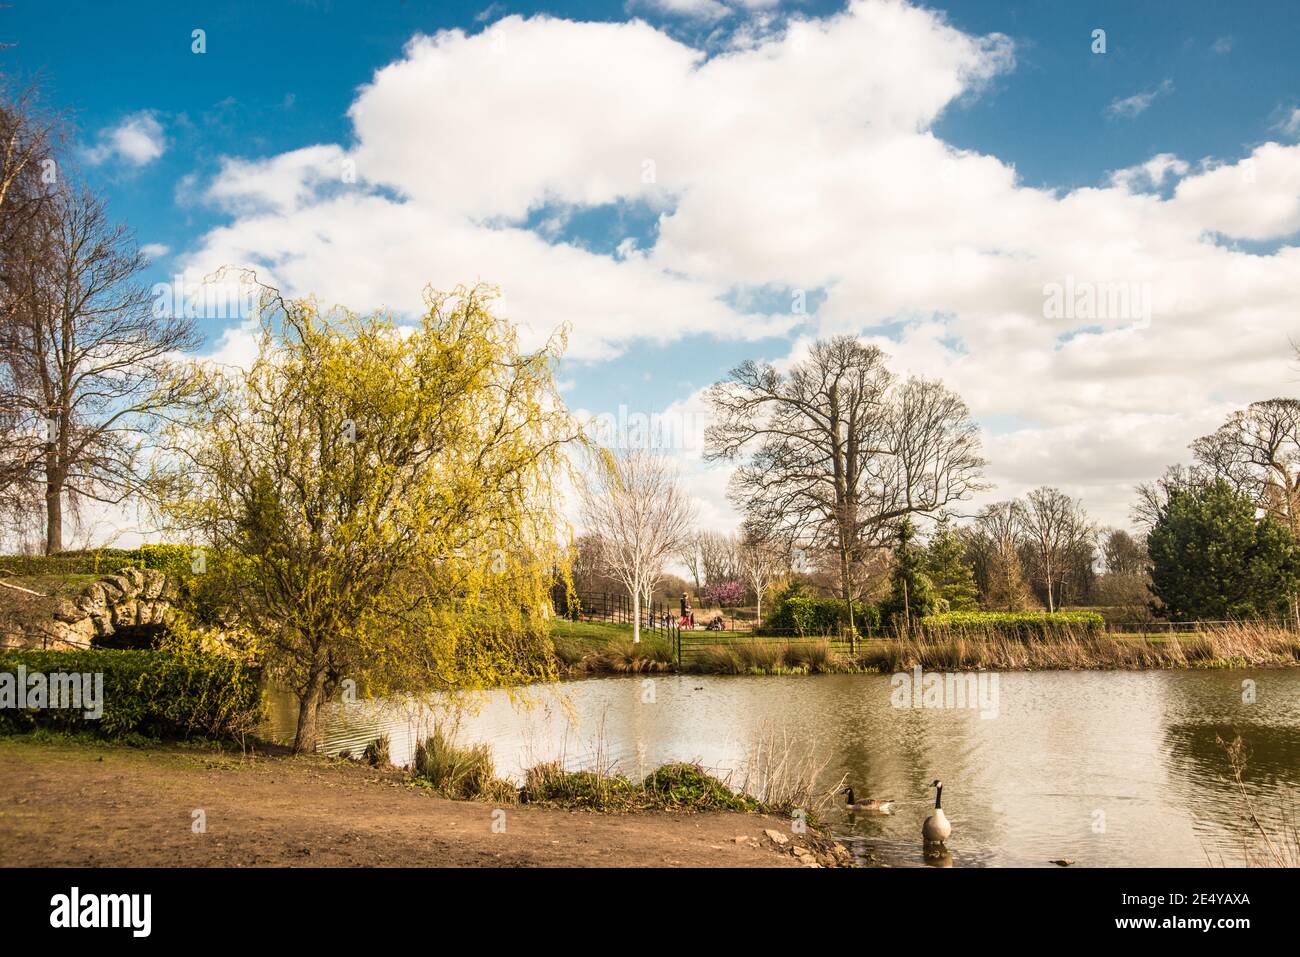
<point>777,837</point>
<point>67,612</point>
<point>116,587</point>
<point>129,598</point>
<point>154,583</point>
<point>124,613</point>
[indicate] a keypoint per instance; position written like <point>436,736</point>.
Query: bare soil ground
<point>78,804</point>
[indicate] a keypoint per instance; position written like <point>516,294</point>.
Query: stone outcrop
<point>129,600</point>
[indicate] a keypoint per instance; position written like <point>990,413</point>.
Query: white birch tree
<point>638,509</point>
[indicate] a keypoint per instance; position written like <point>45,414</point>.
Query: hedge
<point>176,560</point>
<point>804,615</point>
<point>1018,624</point>
<point>158,694</point>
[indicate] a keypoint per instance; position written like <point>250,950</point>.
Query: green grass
<point>52,585</point>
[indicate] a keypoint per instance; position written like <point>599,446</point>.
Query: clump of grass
<point>458,771</point>
<point>672,787</point>
<point>550,783</point>
<point>688,787</point>
<point>627,657</point>
<point>376,752</point>
<point>767,657</point>
<point>814,657</point>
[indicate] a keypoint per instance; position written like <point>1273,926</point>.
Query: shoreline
<point>1229,648</point>
<point>74,803</point>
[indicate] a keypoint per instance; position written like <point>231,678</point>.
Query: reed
<point>1234,645</point>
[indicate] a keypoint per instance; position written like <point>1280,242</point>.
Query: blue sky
<point>1191,80</point>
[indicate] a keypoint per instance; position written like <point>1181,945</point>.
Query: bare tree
<point>719,557</point>
<point>763,563</point>
<point>1152,497</point>
<point>91,367</point>
<point>28,137</point>
<point>1124,554</point>
<point>1056,528</point>
<point>641,515</point>
<point>1258,451</point>
<point>994,544</point>
<point>835,451</point>
<point>692,558</point>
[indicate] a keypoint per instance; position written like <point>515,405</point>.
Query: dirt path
<point>84,805</point>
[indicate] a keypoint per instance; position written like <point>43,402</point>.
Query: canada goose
<point>871,806</point>
<point>936,828</point>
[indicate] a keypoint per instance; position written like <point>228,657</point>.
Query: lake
<point>1103,768</point>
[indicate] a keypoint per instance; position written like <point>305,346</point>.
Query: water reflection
<point>1105,769</point>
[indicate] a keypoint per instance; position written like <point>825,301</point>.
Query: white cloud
<point>1131,106</point>
<point>805,160</point>
<point>1151,174</point>
<point>1222,45</point>
<point>136,141</point>
<point>155,250</point>
<point>691,9</point>
<point>1291,125</point>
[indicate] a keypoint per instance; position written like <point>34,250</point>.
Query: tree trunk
<point>636,616</point>
<point>846,592</point>
<point>309,705</point>
<point>1050,606</point>
<point>53,513</point>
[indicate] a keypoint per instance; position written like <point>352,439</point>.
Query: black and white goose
<point>936,828</point>
<point>869,806</point>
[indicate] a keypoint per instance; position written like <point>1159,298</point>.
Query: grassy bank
<point>82,802</point>
<point>599,648</point>
<point>775,781</point>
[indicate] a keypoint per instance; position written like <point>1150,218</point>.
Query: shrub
<point>1018,624</point>
<point>677,787</point>
<point>158,694</point>
<point>805,615</point>
<point>549,783</point>
<point>689,787</point>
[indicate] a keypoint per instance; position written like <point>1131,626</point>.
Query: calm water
<point>1104,768</point>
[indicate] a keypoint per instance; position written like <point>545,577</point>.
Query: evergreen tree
<point>911,593</point>
<point>947,568</point>
<point>1212,559</point>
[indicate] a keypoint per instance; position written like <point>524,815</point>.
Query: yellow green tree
<point>379,499</point>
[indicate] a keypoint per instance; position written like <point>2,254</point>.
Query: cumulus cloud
<point>136,141</point>
<point>806,160</point>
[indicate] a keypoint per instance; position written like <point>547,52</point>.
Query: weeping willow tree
<point>380,500</point>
